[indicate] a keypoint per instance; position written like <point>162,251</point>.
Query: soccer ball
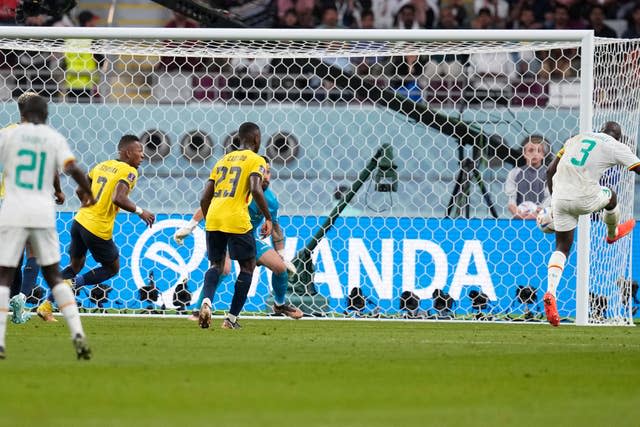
<point>544,220</point>
<point>527,208</point>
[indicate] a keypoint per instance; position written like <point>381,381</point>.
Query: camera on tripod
<point>53,8</point>
<point>386,174</point>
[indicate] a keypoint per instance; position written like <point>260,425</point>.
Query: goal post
<point>397,156</point>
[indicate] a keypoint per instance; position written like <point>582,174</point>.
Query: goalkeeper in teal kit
<point>269,255</point>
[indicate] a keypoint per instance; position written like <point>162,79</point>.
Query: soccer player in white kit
<point>31,153</point>
<point>573,179</point>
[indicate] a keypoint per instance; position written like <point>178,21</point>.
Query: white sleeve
<point>3,139</point>
<point>510,185</point>
<point>64,153</point>
<point>624,156</point>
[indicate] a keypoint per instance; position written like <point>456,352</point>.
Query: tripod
<point>460,195</point>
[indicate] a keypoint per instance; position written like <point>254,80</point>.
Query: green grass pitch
<point>168,372</point>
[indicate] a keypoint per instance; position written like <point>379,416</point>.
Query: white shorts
<point>566,212</point>
<point>45,245</point>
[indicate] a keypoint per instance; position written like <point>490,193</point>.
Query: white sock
<point>67,305</point>
<point>554,271</point>
<point>4,312</point>
<point>611,218</point>
<point>232,317</point>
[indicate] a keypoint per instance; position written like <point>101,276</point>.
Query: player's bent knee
<point>77,264</point>
<point>279,268</point>
<point>613,201</point>
<point>113,268</point>
<point>51,274</point>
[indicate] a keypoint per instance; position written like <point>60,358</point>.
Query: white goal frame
<point>583,38</point>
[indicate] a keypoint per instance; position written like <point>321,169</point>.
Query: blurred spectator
<point>539,8</point>
<point>633,24</point>
<point>86,18</point>
<point>427,12</point>
<point>369,65</point>
<point>329,18</point>
<point>562,19</point>
<point>489,70</point>
<point>624,10</point>
<point>459,11</point>
<point>499,10</point>
<point>611,7</point>
<point>367,20</point>
<point>596,21</point>
<point>525,185</point>
<point>483,20</point>
<point>385,12</point>
<point>448,67</point>
<point>526,20</point>
<point>349,12</point>
<point>303,10</point>
<point>406,18</point>
<point>248,77</point>
<point>404,74</point>
<point>8,12</point>
<point>289,19</point>
<point>526,62</point>
<point>82,68</point>
<point>559,62</point>
<point>250,66</point>
<point>33,70</point>
<point>448,19</point>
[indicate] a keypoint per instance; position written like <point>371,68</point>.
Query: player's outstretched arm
<point>121,199</point>
<point>188,229</point>
<point>58,193</point>
<point>78,175</point>
<point>255,185</point>
<point>207,196</point>
<point>277,238</point>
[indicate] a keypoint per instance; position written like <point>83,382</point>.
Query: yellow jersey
<point>99,218</point>
<point>12,125</point>
<point>229,210</point>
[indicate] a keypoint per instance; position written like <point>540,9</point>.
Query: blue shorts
<point>103,251</point>
<point>261,248</point>
<point>241,246</point>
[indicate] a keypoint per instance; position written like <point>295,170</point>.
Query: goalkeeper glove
<point>290,267</point>
<point>184,232</point>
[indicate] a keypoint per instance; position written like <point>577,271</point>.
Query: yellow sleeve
<point>130,176</point>
<point>560,153</point>
<point>259,167</point>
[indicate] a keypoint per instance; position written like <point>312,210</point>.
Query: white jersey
<point>30,155</point>
<point>583,160</point>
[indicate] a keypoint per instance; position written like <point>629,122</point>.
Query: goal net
<point>399,159</point>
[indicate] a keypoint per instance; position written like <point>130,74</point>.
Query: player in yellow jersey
<point>234,180</point>
<point>92,228</point>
